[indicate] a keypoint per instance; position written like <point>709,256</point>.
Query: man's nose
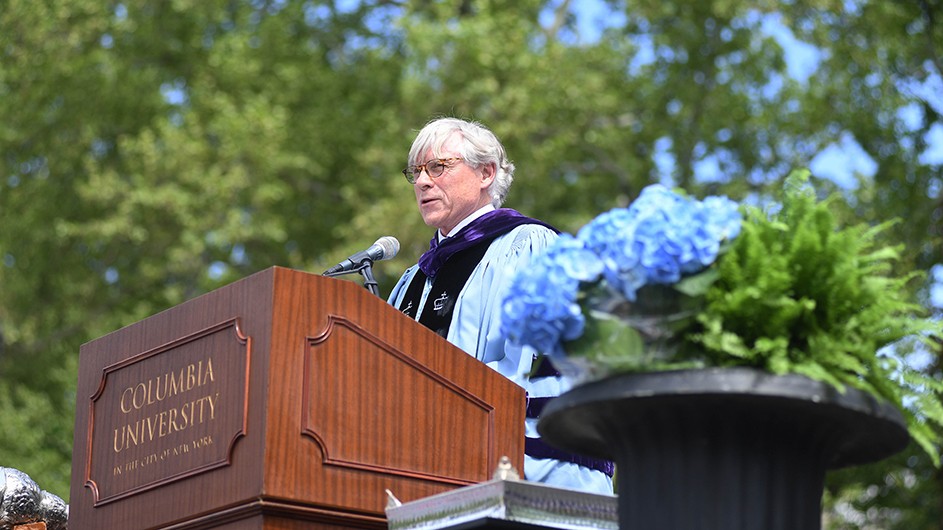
<point>424,180</point>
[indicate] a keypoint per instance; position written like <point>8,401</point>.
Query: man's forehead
<point>450,145</point>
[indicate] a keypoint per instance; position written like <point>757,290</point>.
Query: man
<point>461,175</point>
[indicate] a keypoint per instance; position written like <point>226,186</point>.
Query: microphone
<point>385,248</point>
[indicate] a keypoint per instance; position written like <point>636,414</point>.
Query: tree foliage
<point>151,151</point>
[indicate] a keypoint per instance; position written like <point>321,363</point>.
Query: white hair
<point>479,147</point>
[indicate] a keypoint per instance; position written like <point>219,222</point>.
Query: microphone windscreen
<point>390,246</point>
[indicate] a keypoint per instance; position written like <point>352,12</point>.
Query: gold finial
<point>506,471</point>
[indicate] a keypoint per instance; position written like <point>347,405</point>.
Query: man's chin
<point>432,218</point>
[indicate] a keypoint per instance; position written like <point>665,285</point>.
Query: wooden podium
<point>284,400</point>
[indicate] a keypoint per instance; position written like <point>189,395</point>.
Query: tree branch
<point>559,19</point>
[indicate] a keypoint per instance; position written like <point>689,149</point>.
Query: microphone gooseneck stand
<point>366,270</point>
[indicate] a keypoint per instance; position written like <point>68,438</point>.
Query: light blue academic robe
<point>476,328</point>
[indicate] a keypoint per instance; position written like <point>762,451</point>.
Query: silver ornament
<point>21,500</point>
<point>54,512</point>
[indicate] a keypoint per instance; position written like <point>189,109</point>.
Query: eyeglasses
<point>434,168</point>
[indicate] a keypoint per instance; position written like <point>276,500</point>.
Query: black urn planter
<point>728,449</point>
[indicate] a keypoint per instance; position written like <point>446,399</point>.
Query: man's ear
<point>488,172</point>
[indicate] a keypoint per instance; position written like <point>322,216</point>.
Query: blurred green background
<point>151,151</point>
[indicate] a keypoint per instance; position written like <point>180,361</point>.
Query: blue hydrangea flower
<point>661,237</point>
<point>721,216</point>
<point>540,308</point>
<point>609,236</point>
